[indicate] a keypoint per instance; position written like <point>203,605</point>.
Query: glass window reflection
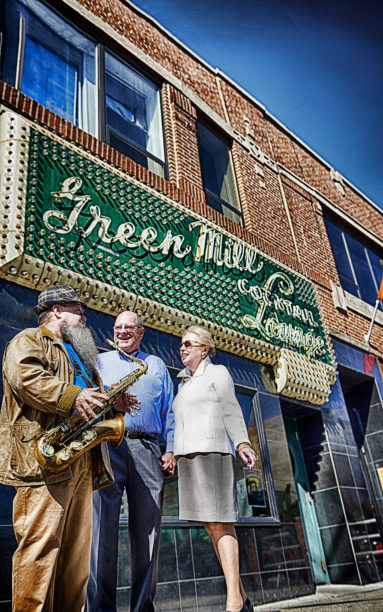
<point>279,456</point>
<point>358,265</point>
<point>133,114</point>
<point>218,174</point>
<point>52,62</point>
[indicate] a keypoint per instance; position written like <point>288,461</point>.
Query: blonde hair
<point>204,336</point>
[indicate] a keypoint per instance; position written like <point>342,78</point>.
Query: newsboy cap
<point>57,294</point>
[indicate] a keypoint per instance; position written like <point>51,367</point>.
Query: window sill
<point>344,301</point>
<point>360,307</point>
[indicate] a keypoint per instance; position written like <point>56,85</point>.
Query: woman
<point>209,427</point>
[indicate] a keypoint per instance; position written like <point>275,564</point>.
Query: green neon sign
<point>82,215</point>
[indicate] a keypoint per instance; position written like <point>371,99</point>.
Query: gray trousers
<point>137,468</point>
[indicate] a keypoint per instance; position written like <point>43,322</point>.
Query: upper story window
<point>54,63</point>
<point>133,114</point>
<point>51,62</point>
<point>218,174</point>
<point>358,265</point>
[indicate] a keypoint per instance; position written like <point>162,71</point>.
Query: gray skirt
<point>207,488</point>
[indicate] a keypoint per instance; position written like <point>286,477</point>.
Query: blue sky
<point>316,65</point>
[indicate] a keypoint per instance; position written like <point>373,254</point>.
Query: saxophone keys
<point>76,445</point>
<point>64,454</point>
<point>88,436</point>
<point>47,450</point>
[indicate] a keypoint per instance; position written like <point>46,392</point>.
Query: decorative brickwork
<point>282,214</point>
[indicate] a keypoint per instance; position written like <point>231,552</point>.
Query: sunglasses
<point>190,343</point>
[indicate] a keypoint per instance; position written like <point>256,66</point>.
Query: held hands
<point>127,403</point>
<point>88,398</point>
<point>248,455</point>
<point>168,464</point>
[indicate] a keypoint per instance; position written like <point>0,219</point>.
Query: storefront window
<point>279,457</point>
<point>253,499</point>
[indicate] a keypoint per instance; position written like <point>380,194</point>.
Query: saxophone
<point>59,446</point>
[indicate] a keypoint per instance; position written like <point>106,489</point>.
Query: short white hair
<point>204,336</point>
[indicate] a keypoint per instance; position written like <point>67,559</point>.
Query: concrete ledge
<point>335,597</point>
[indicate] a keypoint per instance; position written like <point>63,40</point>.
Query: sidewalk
<point>335,598</point>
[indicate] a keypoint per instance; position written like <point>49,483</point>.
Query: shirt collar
<point>134,354</point>
<point>185,373</point>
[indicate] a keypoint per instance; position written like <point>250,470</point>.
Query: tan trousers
<point>53,528</point>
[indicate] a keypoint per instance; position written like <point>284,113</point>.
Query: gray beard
<point>81,338</point>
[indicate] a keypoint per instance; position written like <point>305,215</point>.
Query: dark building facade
<point>134,172</point>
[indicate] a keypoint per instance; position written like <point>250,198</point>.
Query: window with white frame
<point>358,262</point>
<point>218,174</point>
<point>56,64</point>
<point>133,114</point>
<point>51,62</point>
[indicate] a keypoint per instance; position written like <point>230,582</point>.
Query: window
<point>132,115</point>
<point>218,174</point>
<point>358,265</point>
<point>252,490</point>
<point>55,64</point>
<point>51,62</point>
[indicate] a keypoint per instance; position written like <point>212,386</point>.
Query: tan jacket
<point>38,393</point>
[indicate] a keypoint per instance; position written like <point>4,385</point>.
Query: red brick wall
<point>128,22</point>
<point>282,219</point>
<point>238,110</point>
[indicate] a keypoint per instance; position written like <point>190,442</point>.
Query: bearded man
<point>48,372</point>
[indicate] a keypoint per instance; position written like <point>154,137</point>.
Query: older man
<point>48,372</point>
<point>139,469</point>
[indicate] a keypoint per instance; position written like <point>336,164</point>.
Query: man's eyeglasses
<point>78,310</point>
<point>190,343</point>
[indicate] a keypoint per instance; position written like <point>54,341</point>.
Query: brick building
<point>145,179</point>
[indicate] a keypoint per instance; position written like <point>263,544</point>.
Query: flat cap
<point>57,294</point>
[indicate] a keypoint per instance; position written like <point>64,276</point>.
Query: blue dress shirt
<point>154,390</point>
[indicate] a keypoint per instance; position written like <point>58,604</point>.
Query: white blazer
<point>207,415</point>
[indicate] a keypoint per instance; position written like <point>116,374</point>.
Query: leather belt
<point>140,435</point>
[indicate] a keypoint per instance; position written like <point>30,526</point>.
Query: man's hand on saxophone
<point>88,398</point>
<point>127,403</point>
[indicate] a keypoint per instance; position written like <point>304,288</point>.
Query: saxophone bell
<point>56,456</point>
